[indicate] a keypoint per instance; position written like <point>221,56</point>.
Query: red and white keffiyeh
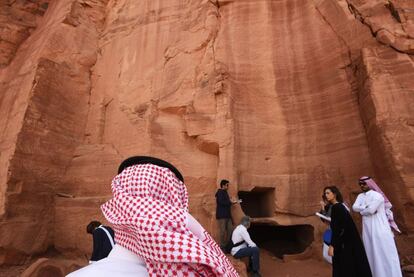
<point>149,212</point>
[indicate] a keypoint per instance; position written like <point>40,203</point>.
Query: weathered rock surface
<point>408,270</point>
<point>44,103</point>
<point>17,20</point>
<point>280,97</point>
<point>45,267</point>
<point>386,101</point>
<point>391,22</point>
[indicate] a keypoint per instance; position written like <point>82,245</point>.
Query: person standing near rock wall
<point>377,221</point>
<point>346,249</point>
<point>223,213</point>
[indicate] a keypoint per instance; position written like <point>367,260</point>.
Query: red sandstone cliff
<point>280,97</point>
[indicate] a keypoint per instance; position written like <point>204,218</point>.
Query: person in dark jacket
<point>347,251</point>
<point>223,212</point>
<point>103,240</point>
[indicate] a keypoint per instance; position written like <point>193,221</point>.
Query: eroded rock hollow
<point>280,97</point>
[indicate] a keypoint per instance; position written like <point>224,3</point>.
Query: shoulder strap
<point>238,244</point>
<point>111,240</point>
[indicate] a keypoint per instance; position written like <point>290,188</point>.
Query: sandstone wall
<point>296,112</point>
<point>44,103</point>
<point>287,95</point>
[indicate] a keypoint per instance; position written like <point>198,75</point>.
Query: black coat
<point>101,243</point>
<point>350,259</point>
<point>223,204</point>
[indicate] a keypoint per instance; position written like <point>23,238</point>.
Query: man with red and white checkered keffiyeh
<point>154,233</point>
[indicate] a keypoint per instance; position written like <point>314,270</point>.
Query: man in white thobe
<point>376,232</point>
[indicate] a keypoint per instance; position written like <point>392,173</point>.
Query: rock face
<point>17,19</point>
<point>280,97</point>
<point>44,103</point>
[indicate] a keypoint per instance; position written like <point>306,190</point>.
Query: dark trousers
<point>226,227</point>
<point>253,253</point>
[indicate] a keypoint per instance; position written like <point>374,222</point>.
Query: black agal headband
<point>149,160</point>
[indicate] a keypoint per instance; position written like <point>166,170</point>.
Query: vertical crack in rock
<point>210,78</point>
<point>340,38</point>
<point>101,127</point>
<point>385,117</point>
<point>90,14</point>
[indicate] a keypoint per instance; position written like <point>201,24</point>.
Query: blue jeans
<point>253,253</point>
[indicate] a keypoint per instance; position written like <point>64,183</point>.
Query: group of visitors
<point>156,235</point>
<point>376,254</point>
<point>236,242</point>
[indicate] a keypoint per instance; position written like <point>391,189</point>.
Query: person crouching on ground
<point>243,246</point>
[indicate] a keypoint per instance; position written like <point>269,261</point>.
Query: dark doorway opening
<point>259,202</point>
<point>282,240</point>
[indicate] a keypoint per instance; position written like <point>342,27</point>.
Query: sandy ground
<point>274,267</point>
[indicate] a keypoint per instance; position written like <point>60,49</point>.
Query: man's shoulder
<point>98,230</point>
<point>374,194</point>
<point>89,270</point>
<point>221,191</point>
<point>239,228</point>
<point>362,194</point>
<point>108,228</point>
<point>101,233</point>
<point>109,268</point>
<point>102,229</point>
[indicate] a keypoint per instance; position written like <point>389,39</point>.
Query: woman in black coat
<point>349,257</point>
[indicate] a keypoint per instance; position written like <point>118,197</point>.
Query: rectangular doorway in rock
<point>282,240</point>
<point>259,202</point>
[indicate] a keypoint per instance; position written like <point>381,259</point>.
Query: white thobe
<point>120,263</point>
<point>377,235</point>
